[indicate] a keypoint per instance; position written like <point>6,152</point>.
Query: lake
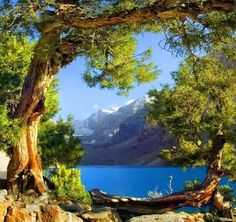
<point>137,181</point>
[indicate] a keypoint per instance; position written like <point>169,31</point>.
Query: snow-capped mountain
<point>122,137</point>
<point>101,127</point>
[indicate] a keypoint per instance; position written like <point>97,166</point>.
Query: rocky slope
<point>101,127</point>
<point>122,137</point>
<point>45,209</point>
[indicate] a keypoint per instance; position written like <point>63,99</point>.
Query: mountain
<point>101,127</point>
<point>122,137</point>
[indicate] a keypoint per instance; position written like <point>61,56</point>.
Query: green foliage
<point>192,184</point>
<point>228,193</point>
<point>9,129</point>
<point>110,50</point>
<point>113,63</point>
<point>68,185</point>
<point>188,37</point>
<point>58,143</point>
<point>201,103</point>
<point>15,55</point>
<point>51,101</point>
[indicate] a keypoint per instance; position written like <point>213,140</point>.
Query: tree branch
<point>71,17</point>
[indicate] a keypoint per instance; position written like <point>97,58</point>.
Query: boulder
<point>105,214</point>
<point>54,213</point>
<point>19,215</point>
<point>169,217</point>
<point>3,209</point>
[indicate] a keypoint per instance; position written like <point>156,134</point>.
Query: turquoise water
<point>137,181</point>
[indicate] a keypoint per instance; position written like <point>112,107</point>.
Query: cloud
<point>95,106</point>
<point>129,101</point>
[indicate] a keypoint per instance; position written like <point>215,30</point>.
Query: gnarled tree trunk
<point>25,165</point>
<point>51,53</point>
<point>206,193</point>
<point>25,162</point>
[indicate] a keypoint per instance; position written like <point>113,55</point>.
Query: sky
<point>80,101</point>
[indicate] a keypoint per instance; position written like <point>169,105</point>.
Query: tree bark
<point>70,16</point>
<point>25,162</point>
<point>25,168</point>
<point>205,194</point>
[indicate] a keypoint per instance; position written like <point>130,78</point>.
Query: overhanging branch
<point>72,17</point>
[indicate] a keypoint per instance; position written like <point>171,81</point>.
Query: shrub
<point>191,184</point>
<point>154,193</point>
<point>68,185</point>
<point>227,192</point>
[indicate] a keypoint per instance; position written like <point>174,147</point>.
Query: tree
<point>56,138</point>
<point>199,109</point>
<point>100,31</point>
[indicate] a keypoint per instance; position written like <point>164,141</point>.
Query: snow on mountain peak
<point>111,110</point>
<point>109,120</point>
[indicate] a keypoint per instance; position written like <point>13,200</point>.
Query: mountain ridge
<point>122,137</point>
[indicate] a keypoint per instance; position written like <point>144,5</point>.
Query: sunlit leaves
<point>58,143</point>
<point>9,129</point>
<point>15,55</point>
<point>201,103</point>
<point>115,64</point>
<point>52,101</point>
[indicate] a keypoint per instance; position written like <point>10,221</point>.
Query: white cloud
<point>129,101</point>
<point>95,106</point>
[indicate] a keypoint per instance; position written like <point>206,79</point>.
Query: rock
<point>54,213</point>
<point>19,215</point>
<point>3,193</point>
<point>102,215</point>
<point>168,217</point>
<point>72,208</point>
<point>32,207</point>
<point>3,209</point>
<point>42,199</point>
<point>10,197</point>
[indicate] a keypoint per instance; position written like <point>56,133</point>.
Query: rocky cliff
<point>122,137</point>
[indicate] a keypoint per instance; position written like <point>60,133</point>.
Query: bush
<point>68,185</point>
<point>191,184</point>
<point>227,192</point>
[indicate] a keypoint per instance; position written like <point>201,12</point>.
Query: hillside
<point>122,137</point>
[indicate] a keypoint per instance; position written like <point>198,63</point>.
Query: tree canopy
<point>199,105</point>
<point>104,32</point>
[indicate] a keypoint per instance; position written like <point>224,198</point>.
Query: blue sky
<point>78,99</point>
